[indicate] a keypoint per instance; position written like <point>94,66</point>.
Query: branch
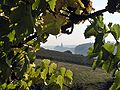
<point>85,17</point>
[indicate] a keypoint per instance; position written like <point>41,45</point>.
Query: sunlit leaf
<point>109,47</point>
<point>69,74</point>
<point>44,73</point>
<point>11,36</point>
<point>45,63</point>
<point>60,80</point>
<point>115,30</point>
<point>52,4</point>
<point>52,68</point>
<point>35,4</point>
<point>107,65</point>
<point>3,86</point>
<point>62,71</point>
<point>11,86</point>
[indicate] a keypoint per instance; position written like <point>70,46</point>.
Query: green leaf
<point>99,41</point>
<point>11,36</point>
<point>52,68</point>
<point>62,71</point>
<point>3,86</point>
<point>94,65</point>
<point>113,87</point>
<point>29,83</point>
<point>109,47</point>
<point>116,84</point>
<point>90,31</point>
<point>23,84</point>
<point>52,24</point>
<point>35,4</point>
<point>118,51</point>
<point>53,79</point>
<point>22,21</point>
<point>107,65</point>
<point>115,31</point>
<point>11,86</point>
<point>69,74</point>
<point>45,63</point>
<point>44,74</point>
<point>81,4</point>
<point>100,22</point>
<point>97,62</point>
<point>52,4</point>
<point>60,80</point>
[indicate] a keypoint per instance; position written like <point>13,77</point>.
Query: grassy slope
<point>82,74</point>
<point>63,57</point>
<point>85,77</point>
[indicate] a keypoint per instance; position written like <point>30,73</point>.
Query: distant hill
<point>63,48</point>
<point>82,49</point>
<point>63,57</point>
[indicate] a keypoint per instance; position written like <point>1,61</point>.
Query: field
<point>84,77</point>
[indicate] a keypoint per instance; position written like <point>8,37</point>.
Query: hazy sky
<point>77,37</point>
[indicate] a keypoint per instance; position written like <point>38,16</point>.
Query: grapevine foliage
<point>106,54</point>
<point>24,24</point>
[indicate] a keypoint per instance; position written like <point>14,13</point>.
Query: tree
<point>26,23</point>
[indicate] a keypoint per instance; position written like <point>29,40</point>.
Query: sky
<point>77,37</point>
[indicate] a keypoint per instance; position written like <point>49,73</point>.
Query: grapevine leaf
<point>100,22</point>
<point>11,86</point>
<point>109,47</point>
<point>115,31</point>
<point>62,71</point>
<point>43,74</point>
<point>69,74</point>
<point>107,66</point>
<point>52,24</point>
<point>118,51</point>
<point>90,31</point>
<point>3,86</point>
<point>53,79</point>
<point>52,68</point>
<point>22,19</point>
<point>11,36</point>
<point>45,63</point>
<point>113,87</point>
<point>81,4</point>
<point>29,83</point>
<point>23,84</point>
<point>116,84</point>
<point>60,80</point>
<point>94,65</point>
<point>98,43</point>
<point>35,4</point>
<point>52,4</point>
